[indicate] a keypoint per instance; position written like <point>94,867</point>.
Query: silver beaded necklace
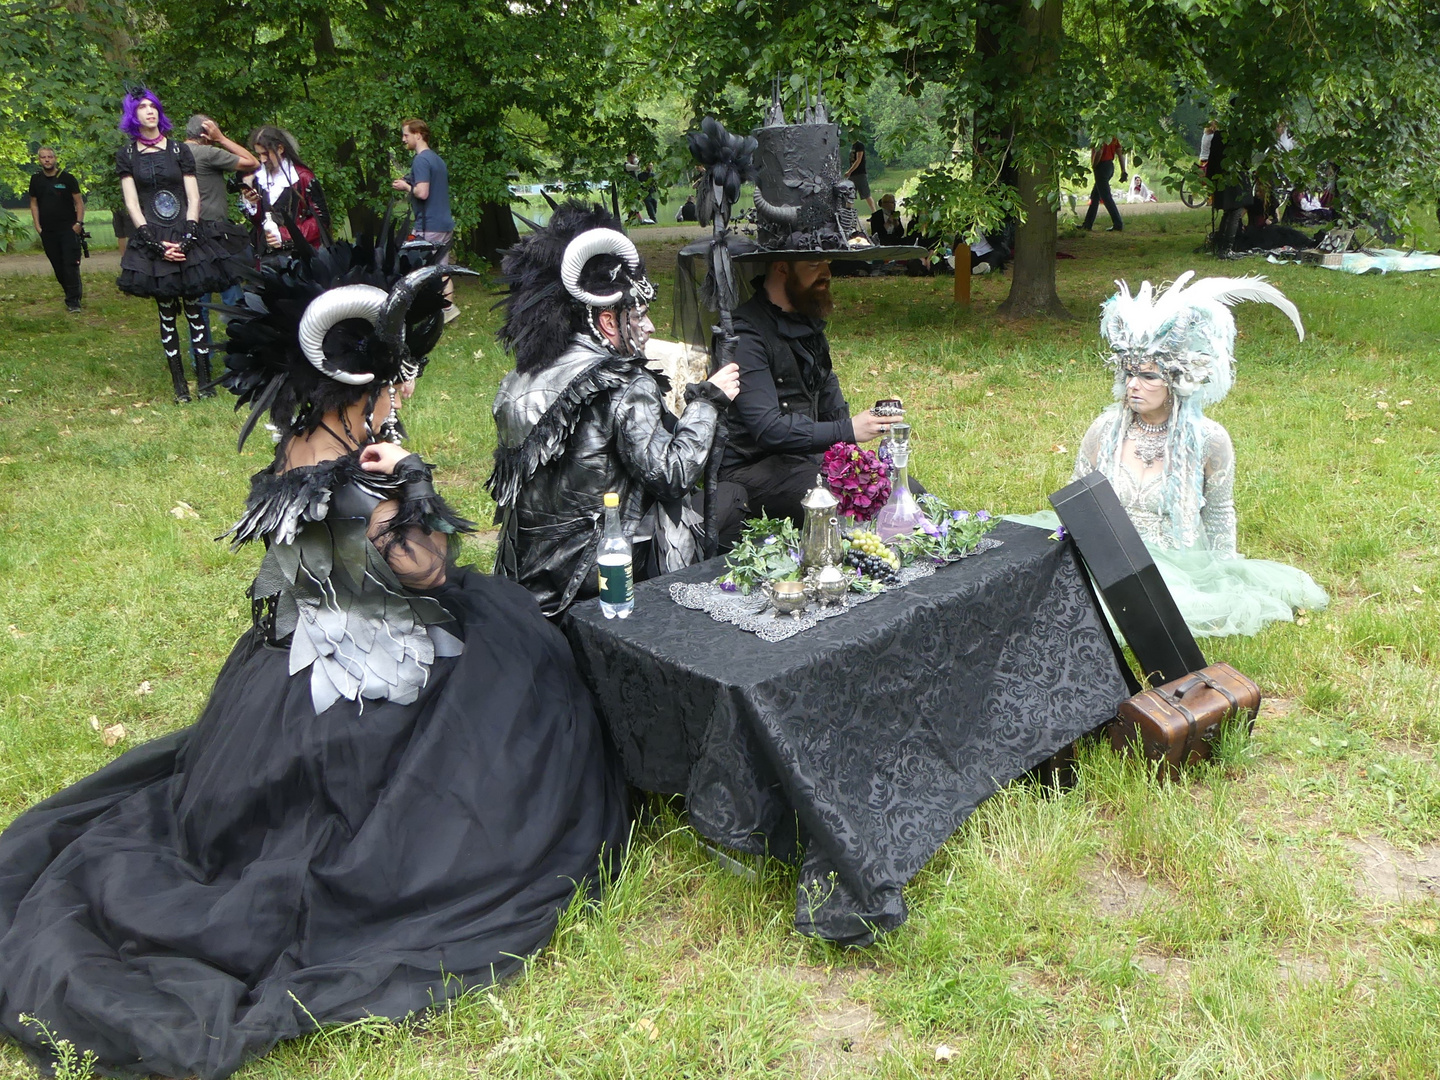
<point>1149,439</point>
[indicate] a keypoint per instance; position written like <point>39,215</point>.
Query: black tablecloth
<point>867,740</point>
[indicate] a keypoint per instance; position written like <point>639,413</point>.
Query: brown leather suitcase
<point>1178,722</point>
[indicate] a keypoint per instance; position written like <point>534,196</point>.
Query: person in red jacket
<point>286,189</point>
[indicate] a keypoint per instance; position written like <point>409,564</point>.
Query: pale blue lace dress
<point>1218,590</point>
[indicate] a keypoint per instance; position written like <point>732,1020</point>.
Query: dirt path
<point>36,263</point>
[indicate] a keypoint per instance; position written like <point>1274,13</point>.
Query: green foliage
<point>15,235</point>
<point>949,200</point>
<point>64,64</point>
<point>69,1063</point>
<point>952,534</point>
<point>768,550</point>
<point>506,88</point>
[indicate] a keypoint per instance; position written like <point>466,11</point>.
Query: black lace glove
<point>146,239</point>
<point>191,236</point>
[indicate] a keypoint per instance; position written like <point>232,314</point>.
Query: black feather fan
<point>729,162</point>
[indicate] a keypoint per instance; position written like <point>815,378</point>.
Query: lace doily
<point>754,614</point>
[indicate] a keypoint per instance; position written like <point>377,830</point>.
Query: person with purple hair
<point>171,257</point>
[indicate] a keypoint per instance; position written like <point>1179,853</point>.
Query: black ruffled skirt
<point>209,266</point>
<point>267,870</point>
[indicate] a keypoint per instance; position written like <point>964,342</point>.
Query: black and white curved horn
<point>327,309</point>
<point>785,215</point>
<point>584,248</point>
<point>390,323</point>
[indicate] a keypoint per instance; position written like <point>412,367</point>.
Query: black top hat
<point>803,201</point>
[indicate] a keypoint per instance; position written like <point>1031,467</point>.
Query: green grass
<point>1220,926</point>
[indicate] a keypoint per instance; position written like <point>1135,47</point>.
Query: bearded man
<point>789,410</point>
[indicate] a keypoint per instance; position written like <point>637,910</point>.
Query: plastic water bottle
<point>272,229</point>
<point>617,565</point>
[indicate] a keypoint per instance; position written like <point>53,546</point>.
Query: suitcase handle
<point>1199,678</point>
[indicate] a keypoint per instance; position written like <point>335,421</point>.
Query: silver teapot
<point>820,535</point>
<point>786,597</point>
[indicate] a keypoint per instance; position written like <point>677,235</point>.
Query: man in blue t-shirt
<point>428,183</point>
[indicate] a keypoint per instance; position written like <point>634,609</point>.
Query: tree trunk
<point>494,234</point>
<point>1032,286</point>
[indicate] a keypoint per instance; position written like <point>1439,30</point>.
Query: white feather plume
<point>1187,330</point>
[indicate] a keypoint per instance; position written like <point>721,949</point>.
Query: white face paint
<point>1145,390</point>
<point>636,329</point>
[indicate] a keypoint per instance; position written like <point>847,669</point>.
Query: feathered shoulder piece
<point>315,331</point>
<point>559,274</point>
<point>282,503</point>
<point>1187,330</point>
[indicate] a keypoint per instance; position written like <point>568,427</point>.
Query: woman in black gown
<point>397,782</point>
<point>172,256</point>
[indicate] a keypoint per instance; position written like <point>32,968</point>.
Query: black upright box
<point>1128,579</point>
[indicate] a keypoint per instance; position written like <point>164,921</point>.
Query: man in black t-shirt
<point>58,211</point>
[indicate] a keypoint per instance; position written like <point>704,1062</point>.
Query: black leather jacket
<point>594,422</point>
<point>790,400</point>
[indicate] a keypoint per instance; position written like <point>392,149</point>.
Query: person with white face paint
<point>1172,467</point>
<point>581,415</point>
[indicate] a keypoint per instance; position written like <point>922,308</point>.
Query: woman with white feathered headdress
<point>1173,354</point>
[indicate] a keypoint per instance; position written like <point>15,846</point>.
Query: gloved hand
<point>146,238</point>
<point>191,236</point>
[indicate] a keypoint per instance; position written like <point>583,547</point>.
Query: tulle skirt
<point>268,870</point>
<point>209,266</point>
<point>1220,597</point>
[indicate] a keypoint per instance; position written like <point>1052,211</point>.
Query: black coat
<point>590,423</point>
<point>790,400</point>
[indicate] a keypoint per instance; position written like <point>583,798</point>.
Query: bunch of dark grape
<point>868,554</point>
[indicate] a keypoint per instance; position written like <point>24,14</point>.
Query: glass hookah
<point>901,515</point>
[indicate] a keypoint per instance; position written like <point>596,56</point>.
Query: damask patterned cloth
<point>858,747</point>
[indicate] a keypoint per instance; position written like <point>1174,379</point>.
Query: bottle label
<point>617,582</point>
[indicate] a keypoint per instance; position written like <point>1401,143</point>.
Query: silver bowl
<point>786,597</point>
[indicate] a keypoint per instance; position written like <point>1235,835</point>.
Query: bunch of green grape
<point>868,554</point>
